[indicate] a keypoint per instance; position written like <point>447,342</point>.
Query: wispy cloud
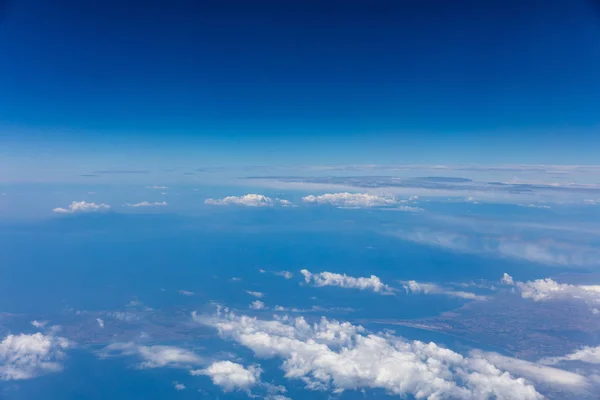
<point>155,356</point>
<point>249,200</point>
<point>432,288</point>
<point>149,204</point>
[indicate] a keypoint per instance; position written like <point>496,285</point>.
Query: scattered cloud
<point>39,324</point>
<point>155,356</point>
<point>346,199</point>
<point>549,289</point>
<point>285,274</point>
<point>249,200</point>
<point>348,282</point>
<point>156,187</point>
<point>82,206</point>
<point>148,204</point>
<point>27,356</point>
<point>100,322</point>
<point>259,295</point>
<point>257,305</point>
<point>338,356</point>
<point>185,292</point>
<point>432,288</point>
<point>178,386</point>
<point>231,376</point>
<point>285,203</point>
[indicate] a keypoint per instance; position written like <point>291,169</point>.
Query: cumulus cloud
<point>178,386</point>
<point>332,355</point>
<point>82,206</point>
<point>432,288</point>
<point>590,355</point>
<point>257,305</point>
<point>258,295</point>
<point>549,289</point>
<point>100,322</point>
<point>348,282</point>
<point>155,356</point>
<point>39,324</point>
<point>346,199</point>
<point>149,204</point>
<point>27,356</point>
<point>231,376</point>
<point>249,200</point>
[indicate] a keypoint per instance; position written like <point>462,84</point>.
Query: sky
<point>121,85</point>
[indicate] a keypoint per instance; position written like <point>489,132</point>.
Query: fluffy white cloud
<point>249,200</point>
<point>179,386</point>
<point>432,288</point>
<point>231,376</point>
<point>39,324</point>
<point>82,206</point>
<point>257,305</point>
<point>258,295</point>
<point>285,203</point>
<point>341,356</point>
<point>590,355</point>
<point>100,322</point>
<point>27,356</point>
<point>149,204</point>
<point>346,199</point>
<point>331,279</point>
<point>155,356</point>
<point>549,289</point>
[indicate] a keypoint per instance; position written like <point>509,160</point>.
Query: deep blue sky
<point>312,81</point>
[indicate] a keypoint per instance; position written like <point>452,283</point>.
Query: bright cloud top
<point>27,356</point>
<point>82,206</point>
<point>155,356</point>
<point>432,288</point>
<point>248,200</point>
<point>231,376</point>
<point>590,355</point>
<point>348,282</point>
<point>149,204</point>
<point>346,199</point>
<point>549,289</point>
<point>332,355</point>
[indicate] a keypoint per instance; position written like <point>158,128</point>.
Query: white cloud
<point>285,274</point>
<point>285,203</point>
<point>331,279</point>
<point>178,386</point>
<point>432,288</point>
<point>155,356</point>
<point>100,322</point>
<point>186,292</point>
<point>549,289</point>
<point>590,355</point>
<point>231,376</point>
<point>82,206</point>
<point>257,305</point>
<point>249,200</point>
<point>341,356</point>
<point>27,356</point>
<point>149,204</point>
<point>258,295</point>
<point>346,199</point>
<point>39,324</point>
<point>156,187</point>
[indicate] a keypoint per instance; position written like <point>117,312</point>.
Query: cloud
<point>100,322</point>
<point>590,355</point>
<point>155,356</point>
<point>348,282</point>
<point>285,203</point>
<point>346,199</point>
<point>432,288</point>
<point>178,386</point>
<point>82,206</point>
<point>148,204</point>
<point>259,295</point>
<point>27,356</point>
<point>257,305</point>
<point>39,324</point>
<point>338,356</point>
<point>185,292</point>
<point>231,376</point>
<point>285,274</point>
<point>549,289</point>
<point>121,171</point>
<point>156,187</point>
<point>249,200</point>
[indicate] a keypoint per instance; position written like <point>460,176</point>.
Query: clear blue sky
<point>299,81</point>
